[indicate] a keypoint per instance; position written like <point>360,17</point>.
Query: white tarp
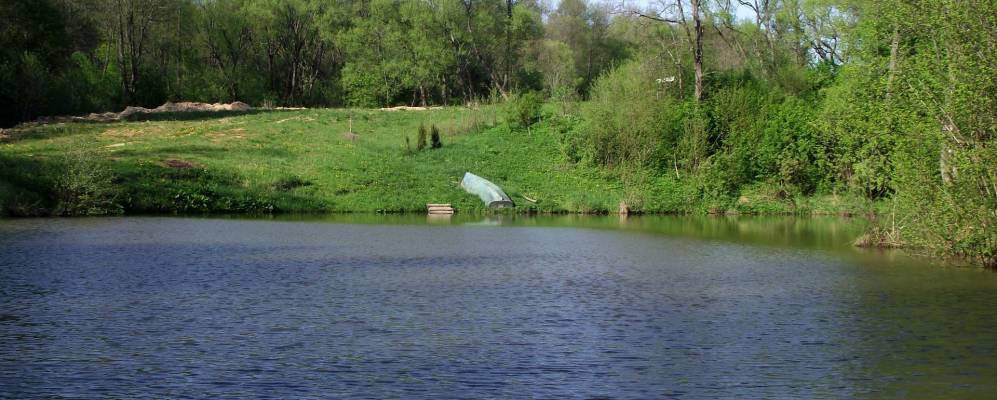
<point>491,194</point>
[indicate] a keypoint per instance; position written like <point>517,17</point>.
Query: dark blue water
<point>207,308</point>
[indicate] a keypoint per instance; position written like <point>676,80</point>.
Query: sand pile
<point>410,108</point>
<point>168,107</point>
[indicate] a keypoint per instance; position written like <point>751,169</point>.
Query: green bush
<point>365,88</point>
<point>523,110</point>
<point>87,185</point>
<point>855,122</point>
<point>631,119</point>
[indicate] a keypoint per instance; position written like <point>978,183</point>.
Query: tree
<point>555,62</point>
<point>674,12</point>
<point>396,49</point>
<point>296,54</point>
<point>584,30</point>
<point>131,24</point>
<point>228,40</point>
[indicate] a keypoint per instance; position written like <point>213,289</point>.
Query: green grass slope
<point>301,161</point>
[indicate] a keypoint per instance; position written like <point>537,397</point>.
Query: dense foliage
<point>887,101</point>
<point>72,57</point>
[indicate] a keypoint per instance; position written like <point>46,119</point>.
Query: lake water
<point>555,307</point>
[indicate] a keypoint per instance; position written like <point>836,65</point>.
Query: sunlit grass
<point>305,160</point>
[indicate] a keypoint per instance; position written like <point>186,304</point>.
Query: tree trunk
<point>698,49</point>
<point>944,169</point>
<point>132,59</point>
<point>179,49</point>
<point>894,50</point>
<point>122,68</point>
<point>508,48</point>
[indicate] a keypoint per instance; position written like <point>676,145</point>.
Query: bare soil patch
<point>178,164</point>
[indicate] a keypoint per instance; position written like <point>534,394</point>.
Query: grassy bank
<point>307,161</point>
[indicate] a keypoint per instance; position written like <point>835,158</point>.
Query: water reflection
<point>813,232</point>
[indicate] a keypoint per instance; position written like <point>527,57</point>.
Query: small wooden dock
<point>439,209</point>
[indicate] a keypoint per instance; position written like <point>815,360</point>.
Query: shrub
<point>87,186</point>
<point>435,136</point>
<point>523,110</point>
<point>420,142</point>
<point>856,123</point>
<point>630,118</point>
<point>368,86</point>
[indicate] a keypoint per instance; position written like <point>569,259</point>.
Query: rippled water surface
<point>402,307</point>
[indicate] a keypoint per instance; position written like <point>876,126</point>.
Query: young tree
<point>420,142</point>
<point>435,137</point>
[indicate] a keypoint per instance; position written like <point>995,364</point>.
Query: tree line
<point>72,56</point>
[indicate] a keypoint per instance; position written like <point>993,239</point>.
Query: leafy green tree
<point>584,31</point>
<point>940,93</point>
<point>295,53</point>
<point>554,62</point>
<point>228,39</point>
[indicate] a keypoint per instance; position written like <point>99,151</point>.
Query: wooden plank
<point>439,209</point>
